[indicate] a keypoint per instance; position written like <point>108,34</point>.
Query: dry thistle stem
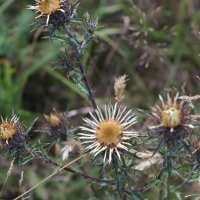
<point>119,86</point>
<point>108,132</point>
<point>172,119</point>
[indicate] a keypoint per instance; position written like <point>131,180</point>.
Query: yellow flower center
<point>171,117</point>
<point>7,130</point>
<point>109,132</point>
<point>53,120</point>
<point>48,7</point>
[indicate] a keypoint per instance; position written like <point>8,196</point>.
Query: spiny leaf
<point>158,147</point>
<point>119,184</point>
<point>170,166</point>
<point>135,196</point>
<point>96,157</point>
<point>39,146</point>
<point>147,113</point>
<point>185,146</point>
<point>115,164</point>
<point>26,159</point>
<point>30,126</point>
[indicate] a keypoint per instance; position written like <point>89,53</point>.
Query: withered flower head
<point>12,136</point>
<point>56,125</point>
<point>172,118</point>
<point>48,8</point>
<point>108,132</point>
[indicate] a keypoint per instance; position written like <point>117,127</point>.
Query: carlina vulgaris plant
<point>55,12</point>
<point>108,133</point>
<point>172,119</point>
<point>13,135</point>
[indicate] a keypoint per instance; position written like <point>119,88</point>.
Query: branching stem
<point>91,177</point>
<point>181,185</point>
<point>78,57</point>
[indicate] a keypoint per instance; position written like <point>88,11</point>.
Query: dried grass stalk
<point>187,98</point>
<point>119,86</point>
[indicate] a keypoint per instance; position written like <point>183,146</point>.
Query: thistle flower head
<point>8,128</point>
<point>12,135</point>
<point>172,118</point>
<point>50,7</point>
<point>109,131</point>
<point>56,125</point>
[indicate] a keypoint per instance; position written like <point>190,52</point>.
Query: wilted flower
<point>172,119</point>
<point>12,136</point>
<point>56,125</point>
<point>59,10</point>
<point>109,132</point>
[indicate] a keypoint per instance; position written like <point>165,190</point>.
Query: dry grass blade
<point>187,98</point>
<point>8,174</point>
<point>49,177</point>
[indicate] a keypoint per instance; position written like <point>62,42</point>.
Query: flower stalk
<point>78,57</point>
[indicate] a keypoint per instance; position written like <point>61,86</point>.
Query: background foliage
<point>155,42</point>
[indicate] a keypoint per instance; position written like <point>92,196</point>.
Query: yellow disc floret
<point>109,132</point>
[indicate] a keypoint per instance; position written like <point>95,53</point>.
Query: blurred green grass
<point>155,42</point>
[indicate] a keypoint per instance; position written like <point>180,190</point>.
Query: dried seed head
<point>56,125</point>
<point>172,119</point>
<point>119,86</point>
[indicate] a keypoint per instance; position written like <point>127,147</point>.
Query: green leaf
<point>177,173</point>
<point>59,38</point>
<point>115,164</point>
<point>39,146</point>
<point>135,196</point>
<point>170,166</point>
<point>158,147</point>
<point>119,184</point>
<point>26,159</point>
<point>178,195</point>
<point>96,157</point>
<point>185,146</point>
<point>76,42</point>
<point>19,153</point>
<point>147,113</point>
<point>131,155</point>
<point>30,126</point>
